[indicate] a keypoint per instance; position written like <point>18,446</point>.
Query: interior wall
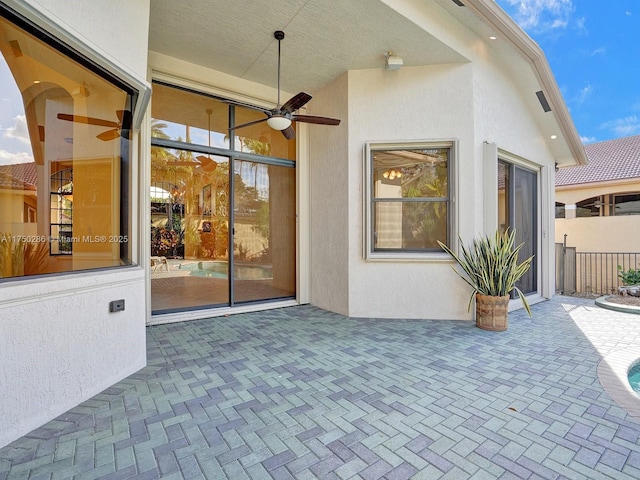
<point>59,345</point>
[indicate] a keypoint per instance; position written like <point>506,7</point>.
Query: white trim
<point>186,315</point>
<point>303,215</point>
<point>144,201</point>
<point>28,290</point>
<point>495,16</point>
<point>490,184</point>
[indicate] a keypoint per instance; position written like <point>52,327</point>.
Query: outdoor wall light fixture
<point>393,62</point>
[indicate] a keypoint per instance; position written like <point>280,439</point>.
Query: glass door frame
<point>233,157</point>
<point>512,168</point>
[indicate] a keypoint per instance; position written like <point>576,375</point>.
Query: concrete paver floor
<point>307,394</point>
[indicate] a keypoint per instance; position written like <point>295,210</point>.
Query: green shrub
<point>491,265</point>
<point>629,277</point>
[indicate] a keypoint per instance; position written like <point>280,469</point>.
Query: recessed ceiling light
<point>36,81</point>
<point>493,37</point>
<point>553,137</point>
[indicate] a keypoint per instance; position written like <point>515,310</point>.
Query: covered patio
<point>303,393</point>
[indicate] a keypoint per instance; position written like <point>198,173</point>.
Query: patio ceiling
<point>324,38</point>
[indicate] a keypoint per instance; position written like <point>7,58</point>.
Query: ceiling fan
<point>280,117</point>
<point>116,128</point>
<point>205,162</point>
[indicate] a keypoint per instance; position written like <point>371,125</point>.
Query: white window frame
<point>452,226</point>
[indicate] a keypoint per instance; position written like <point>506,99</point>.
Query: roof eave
<point>504,24</point>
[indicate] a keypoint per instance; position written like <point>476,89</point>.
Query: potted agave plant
<point>491,268</point>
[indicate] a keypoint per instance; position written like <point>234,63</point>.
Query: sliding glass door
<point>263,232</point>
<point>222,206</point>
<point>518,209</point>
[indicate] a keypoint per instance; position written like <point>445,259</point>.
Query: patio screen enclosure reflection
<point>222,205</point>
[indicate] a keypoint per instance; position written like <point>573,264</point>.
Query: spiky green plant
<point>491,265</point>
<point>18,258</point>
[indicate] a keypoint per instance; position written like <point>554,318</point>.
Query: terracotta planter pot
<point>491,312</point>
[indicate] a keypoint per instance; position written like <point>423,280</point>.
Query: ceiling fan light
<point>278,122</point>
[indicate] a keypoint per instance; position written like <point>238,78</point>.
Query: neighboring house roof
<point>20,176</point>
<point>611,160</point>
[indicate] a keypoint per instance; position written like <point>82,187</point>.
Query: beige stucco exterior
<point>610,234</point>
<point>59,344</point>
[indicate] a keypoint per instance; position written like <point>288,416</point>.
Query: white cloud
<point>19,130</point>
<point>9,158</point>
<point>586,140</point>
<point>541,15</point>
<point>584,93</point>
<point>599,51</point>
<point>623,127</point>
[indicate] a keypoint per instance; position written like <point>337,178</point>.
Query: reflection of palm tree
<point>259,146</point>
<point>157,129</point>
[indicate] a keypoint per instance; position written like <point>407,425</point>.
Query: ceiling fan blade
<point>315,119</point>
<point>88,120</point>
<point>289,133</point>
<point>206,163</point>
<point>109,135</point>
<point>249,123</point>
<point>296,102</point>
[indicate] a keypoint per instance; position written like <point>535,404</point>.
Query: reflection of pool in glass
<point>634,377</point>
<point>220,270</point>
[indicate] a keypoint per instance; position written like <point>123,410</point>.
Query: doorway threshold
<point>199,314</point>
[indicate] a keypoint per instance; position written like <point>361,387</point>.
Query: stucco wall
<point>504,116</point>
<point>330,173</point>
<point>59,345</point>
<point>600,234</point>
<point>470,103</point>
<point>414,103</point>
<point>120,33</point>
<point>574,194</point>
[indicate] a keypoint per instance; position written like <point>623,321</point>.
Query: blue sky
<point>593,48</point>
